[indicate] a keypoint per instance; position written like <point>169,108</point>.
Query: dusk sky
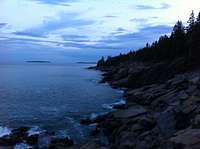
<point>34,28</point>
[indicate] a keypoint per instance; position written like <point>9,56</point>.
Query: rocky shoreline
<point>159,114</point>
<point>32,138</point>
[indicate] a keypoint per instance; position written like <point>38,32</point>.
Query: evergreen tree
<point>194,42</point>
<point>191,21</point>
<point>178,39</point>
<point>198,18</point>
<point>101,62</point>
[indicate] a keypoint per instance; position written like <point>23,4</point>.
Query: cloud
<point>2,25</point>
<point>120,29</point>
<point>69,20</point>
<point>28,33</point>
<point>136,39</point>
<point>66,20</point>
<point>126,41</point>
<point>145,7</point>
<point>150,7</point>
<point>75,38</point>
<point>165,6</point>
<point>140,20</point>
<point>57,2</point>
<point>146,33</point>
<point>110,16</point>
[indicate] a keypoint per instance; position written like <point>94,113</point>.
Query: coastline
<point>34,135</point>
<point>159,114</point>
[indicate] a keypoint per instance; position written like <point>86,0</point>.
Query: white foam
<point>120,91</point>
<point>110,106</point>
<point>35,131</point>
<point>93,116</point>
<point>120,102</point>
<point>22,146</point>
<point>107,106</point>
<point>4,131</point>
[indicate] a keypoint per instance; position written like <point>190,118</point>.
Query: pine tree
<point>178,39</point>
<point>179,28</point>
<point>101,62</point>
<point>191,21</point>
<point>198,18</point>
<point>194,41</point>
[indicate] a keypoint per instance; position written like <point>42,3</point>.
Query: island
<point>38,62</point>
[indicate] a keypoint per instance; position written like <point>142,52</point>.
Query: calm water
<point>51,96</point>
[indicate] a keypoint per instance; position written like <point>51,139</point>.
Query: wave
<point>112,105</point>
<point>22,146</point>
<point>35,131</point>
<point>4,131</point>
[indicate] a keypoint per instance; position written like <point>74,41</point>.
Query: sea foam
<point>4,131</point>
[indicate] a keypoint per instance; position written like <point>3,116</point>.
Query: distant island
<point>38,61</point>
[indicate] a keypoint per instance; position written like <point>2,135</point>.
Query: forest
<point>183,43</point>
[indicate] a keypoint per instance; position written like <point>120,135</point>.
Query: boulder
<point>91,120</point>
<point>196,122</point>
<point>32,140</point>
<point>89,145</point>
<point>146,94</point>
<point>186,139</point>
<point>195,80</point>
<point>191,104</point>
<point>166,122</point>
<point>60,143</point>
<point>17,136</point>
<point>130,112</point>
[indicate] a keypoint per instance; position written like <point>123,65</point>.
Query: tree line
<point>183,42</point>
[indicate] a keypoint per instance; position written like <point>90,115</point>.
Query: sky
<point>87,29</point>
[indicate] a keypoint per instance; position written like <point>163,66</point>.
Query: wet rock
<point>196,122</point>
<point>95,131</point>
<point>89,145</point>
<point>5,141</point>
<point>146,94</point>
<point>32,140</point>
<point>178,81</point>
<point>147,122</point>
<point>120,106</point>
<point>186,139</point>
<point>20,132</point>
<point>130,112</point>
<point>166,122</point>
<point>86,121</point>
<point>182,120</point>
<point>122,73</point>
<point>7,147</point>
<point>191,104</point>
<point>191,89</point>
<point>195,80</point>
<point>92,120</point>
<point>60,143</point>
<point>17,136</point>
<point>120,83</point>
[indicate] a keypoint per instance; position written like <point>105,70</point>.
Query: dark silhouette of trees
<point>178,38</point>
<point>183,43</point>
<point>101,62</point>
<point>191,22</point>
<point>194,40</point>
